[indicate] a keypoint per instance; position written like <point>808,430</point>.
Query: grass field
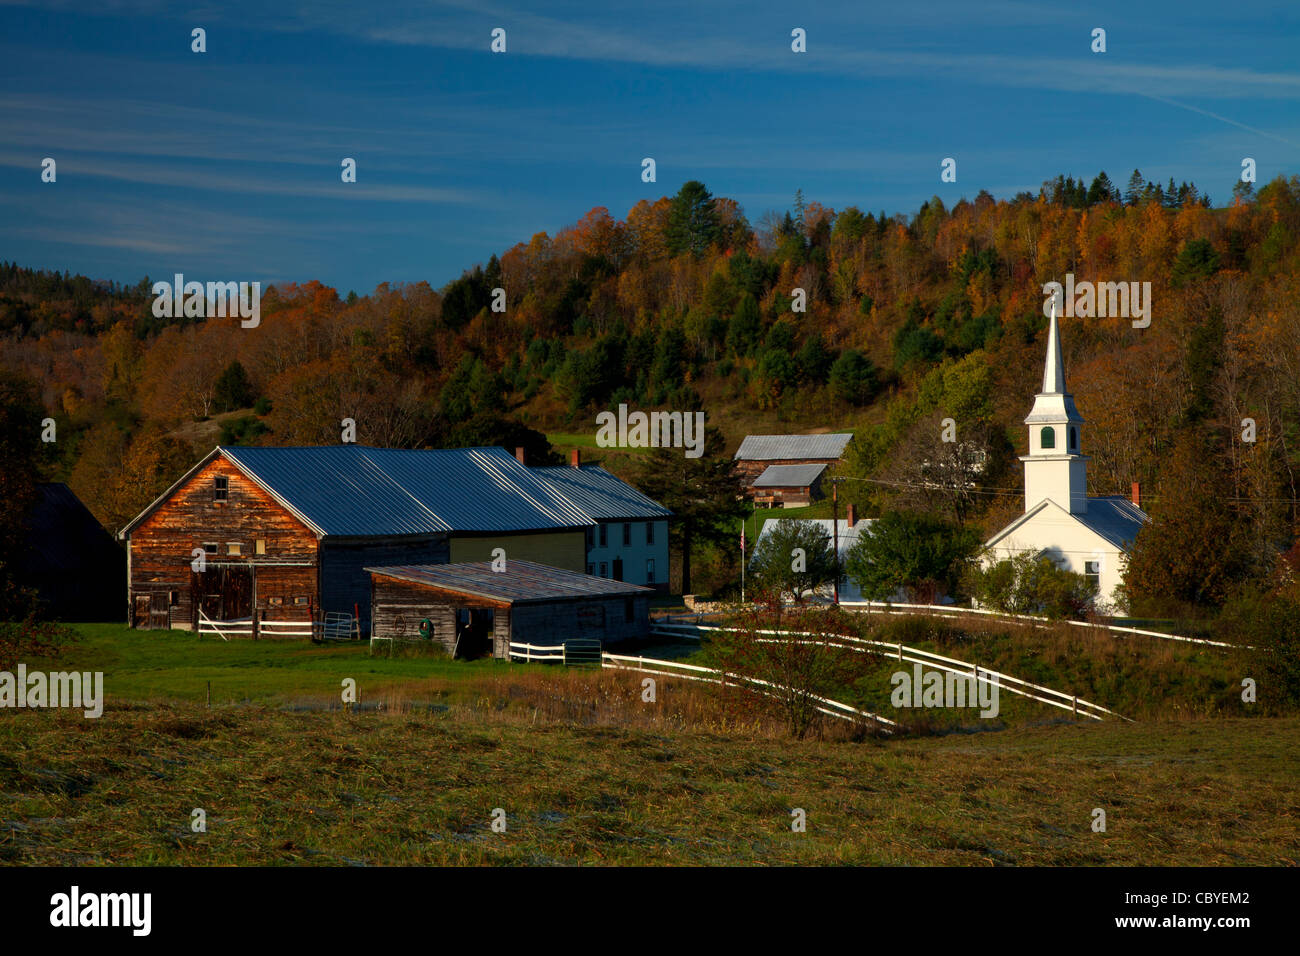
<point>587,772</point>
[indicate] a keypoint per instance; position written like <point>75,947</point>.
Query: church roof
<point>1112,517</point>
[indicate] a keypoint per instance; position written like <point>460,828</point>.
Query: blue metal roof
<point>356,490</point>
<point>793,447</point>
<point>1115,518</point>
<point>600,494</point>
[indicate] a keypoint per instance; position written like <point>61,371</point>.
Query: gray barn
<point>471,609</point>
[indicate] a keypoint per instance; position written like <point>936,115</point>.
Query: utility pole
<point>835,533</point>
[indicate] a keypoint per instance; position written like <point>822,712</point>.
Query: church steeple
<point>1054,467</point>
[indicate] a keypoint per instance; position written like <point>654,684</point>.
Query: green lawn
<point>178,665</point>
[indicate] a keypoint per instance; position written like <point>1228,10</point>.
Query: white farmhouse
<point>1088,535</point>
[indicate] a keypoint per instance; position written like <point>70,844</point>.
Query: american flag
<point>742,537</point>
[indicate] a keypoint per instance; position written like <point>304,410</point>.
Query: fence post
<point>1076,705</point>
<point>900,651</point>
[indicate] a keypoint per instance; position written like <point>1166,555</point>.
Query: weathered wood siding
<point>400,606</point>
<point>161,547</point>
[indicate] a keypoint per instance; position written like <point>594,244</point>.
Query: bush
<point>1031,584</point>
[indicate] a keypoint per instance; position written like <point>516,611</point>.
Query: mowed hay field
<point>587,772</point>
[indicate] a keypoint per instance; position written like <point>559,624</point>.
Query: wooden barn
<point>284,534</point>
<point>472,609</point>
<point>757,453</point>
<point>788,486</point>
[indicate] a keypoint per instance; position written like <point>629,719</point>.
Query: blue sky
<point>225,165</point>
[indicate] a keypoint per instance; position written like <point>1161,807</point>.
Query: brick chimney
<point>1137,495</point>
<point>575,458</point>
<point>519,453</point>
<point>852,516</point>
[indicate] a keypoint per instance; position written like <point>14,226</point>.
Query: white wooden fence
<point>710,675</point>
<point>246,627</point>
<point>915,655</point>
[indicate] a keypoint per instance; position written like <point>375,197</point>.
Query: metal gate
<point>582,652</point>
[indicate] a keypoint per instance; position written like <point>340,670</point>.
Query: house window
<point>1049,437</point>
<point>211,547</point>
<point>220,488</point>
<point>1074,439</point>
<point>260,546</point>
<point>591,569</point>
<point>649,532</point>
<point>650,571</point>
<point>233,547</point>
<point>627,533</point>
<point>1092,571</point>
<point>604,537</point>
<point>604,570</point>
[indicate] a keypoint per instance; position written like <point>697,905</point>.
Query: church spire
<point>1054,367</point>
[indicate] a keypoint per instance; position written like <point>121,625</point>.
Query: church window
<point>1049,437</point>
<point>1074,439</point>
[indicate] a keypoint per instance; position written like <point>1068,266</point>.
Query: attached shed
<point>788,486</point>
<point>471,609</point>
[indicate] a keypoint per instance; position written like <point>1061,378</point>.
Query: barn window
<point>173,598</point>
<point>627,533</point>
<point>275,601</point>
<point>604,535</point>
<point>300,601</point>
<point>260,546</point>
<point>1049,437</point>
<point>233,547</point>
<point>650,571</point>
<point>221,488</point>
<point>211,547</point>
<point>649,532</point>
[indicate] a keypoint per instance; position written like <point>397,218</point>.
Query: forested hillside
<point>685,304</point>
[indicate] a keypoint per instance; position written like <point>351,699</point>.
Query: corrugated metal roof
<point>600,494</point>
<point>1115,518</point>
<point>356,490</point>
<point>522,582</point>
<point>788,476</point>
<point>792,447</point>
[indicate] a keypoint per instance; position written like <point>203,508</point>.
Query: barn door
<point>140,617</point>
<point>160,618</point>
<point>237,593</point>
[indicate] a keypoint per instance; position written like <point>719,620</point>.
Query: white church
<point>1088,535</point>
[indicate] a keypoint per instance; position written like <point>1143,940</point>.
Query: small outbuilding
<point>472,609</point>
<point>788,486</point>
